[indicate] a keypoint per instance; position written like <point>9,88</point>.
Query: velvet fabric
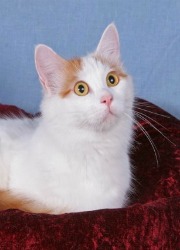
<point>150,221</point>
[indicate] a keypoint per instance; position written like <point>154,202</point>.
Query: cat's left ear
<point>109,46</point>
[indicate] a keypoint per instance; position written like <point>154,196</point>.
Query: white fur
<point>75,156</point>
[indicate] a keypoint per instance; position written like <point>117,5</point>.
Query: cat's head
<point>91,92</point>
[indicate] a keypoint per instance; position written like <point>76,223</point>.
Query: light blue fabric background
<point>150,43</point>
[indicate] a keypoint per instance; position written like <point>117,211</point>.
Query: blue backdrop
<point>150,43</point>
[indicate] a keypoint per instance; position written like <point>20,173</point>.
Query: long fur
<point>75,157</point>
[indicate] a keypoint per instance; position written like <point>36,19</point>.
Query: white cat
<point>75,156</point>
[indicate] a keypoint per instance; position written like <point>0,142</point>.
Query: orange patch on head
<point>71,70</point>
<point>112,65</point>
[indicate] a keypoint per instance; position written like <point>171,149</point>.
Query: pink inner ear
<point>109,46</point>
<point>49,67</point>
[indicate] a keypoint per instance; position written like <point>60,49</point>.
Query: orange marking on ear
<point>71,70</point>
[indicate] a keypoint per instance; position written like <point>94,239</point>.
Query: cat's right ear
<point>49,67</point>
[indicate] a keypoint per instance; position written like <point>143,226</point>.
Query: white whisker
<point>143,104</point>
<point>152,112</point>
<point>148,137</point>
<point>152,120</point>
<point>140,115</point>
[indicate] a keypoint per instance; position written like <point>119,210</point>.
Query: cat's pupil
<point>81,89</point>
<point>111,79</point>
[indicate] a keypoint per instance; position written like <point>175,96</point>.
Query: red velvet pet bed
<point>151,221</point>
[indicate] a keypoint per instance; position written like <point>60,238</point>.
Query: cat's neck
<point>72,139</point>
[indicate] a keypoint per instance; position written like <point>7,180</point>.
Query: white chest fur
<point>83,176</point>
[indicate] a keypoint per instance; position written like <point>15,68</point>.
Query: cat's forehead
<point>90,69</point>
<point>93,69</point>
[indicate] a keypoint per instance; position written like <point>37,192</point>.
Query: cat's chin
<point>104,123</point>
<point>109,115</point>
<point>109,121</point>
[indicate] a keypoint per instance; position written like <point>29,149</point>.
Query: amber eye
<point>112,79</point>
<point>81,88</point>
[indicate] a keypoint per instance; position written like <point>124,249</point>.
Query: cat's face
<point>92,92</point>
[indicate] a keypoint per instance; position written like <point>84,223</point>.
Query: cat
<point>75,156</point>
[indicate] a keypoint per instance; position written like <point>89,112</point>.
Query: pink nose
<point>107,99</point>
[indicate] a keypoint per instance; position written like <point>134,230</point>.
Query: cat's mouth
<point>109,114</point>
<point>100,119</point>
